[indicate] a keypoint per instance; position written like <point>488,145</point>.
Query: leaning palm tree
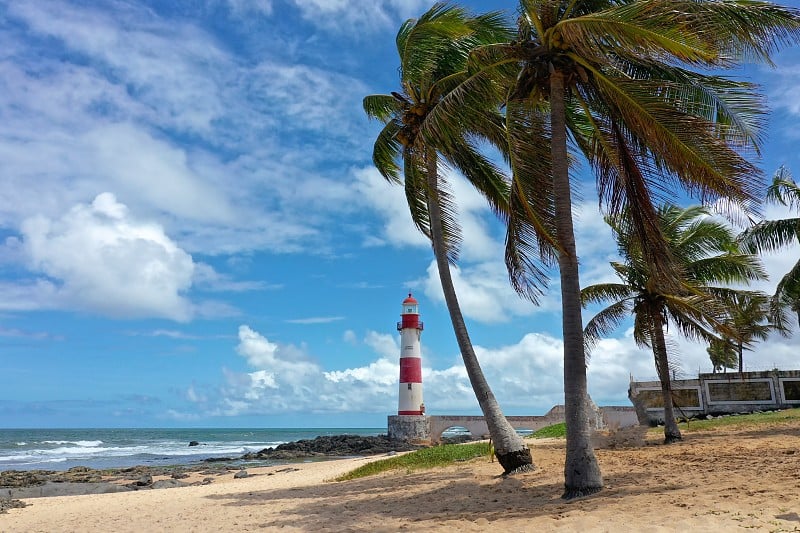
<point>433,51</point>
<point>616,78</point>
<point>771,235</point>
<point>705,253</point>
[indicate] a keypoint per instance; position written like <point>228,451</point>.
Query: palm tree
<point>706,254</point>
<point>433,51</point>
<point>748,318</point>
<point>722,354</point>
<point>771,235</point>
<point>615,78</point>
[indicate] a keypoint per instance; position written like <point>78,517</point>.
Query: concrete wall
<point>425,429</point>
<point>716,394</point>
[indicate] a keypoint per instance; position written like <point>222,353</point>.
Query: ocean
<point>62,449</point>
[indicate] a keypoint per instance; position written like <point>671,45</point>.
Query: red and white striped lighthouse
<point>410,328</point>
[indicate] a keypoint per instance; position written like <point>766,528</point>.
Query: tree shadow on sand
<point>376,502</point>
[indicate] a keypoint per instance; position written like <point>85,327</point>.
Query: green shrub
<point>558,431</point>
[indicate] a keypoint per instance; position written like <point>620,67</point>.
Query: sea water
<point>62,449</point>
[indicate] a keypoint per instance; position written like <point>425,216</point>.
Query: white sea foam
<point>102,448</point>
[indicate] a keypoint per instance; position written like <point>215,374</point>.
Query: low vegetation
<point>426,458</point>
<point>556,431</point>
<point>761,420</point>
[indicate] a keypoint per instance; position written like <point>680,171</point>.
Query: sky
<point>192,233</point>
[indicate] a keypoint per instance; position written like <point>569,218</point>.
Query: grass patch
<point>425,458</point>
<point>558,431</point>
<point>775,418</point>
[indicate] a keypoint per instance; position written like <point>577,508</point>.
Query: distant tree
<point>748,319</point>
<point>771,235</point>
<point>705,252</point>
<point>433,52</point>
<point>722,354</point>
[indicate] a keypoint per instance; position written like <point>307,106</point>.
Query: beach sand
<point>725,480</point>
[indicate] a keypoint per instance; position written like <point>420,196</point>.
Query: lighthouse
<point>410,423</point>
<point>410,328</point>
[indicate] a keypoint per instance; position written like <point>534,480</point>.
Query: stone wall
<point>717,394</point>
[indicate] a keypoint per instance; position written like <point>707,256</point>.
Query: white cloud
<point>526,377</point>
<point>349,336</point>
<point>242,8</point>
<point>179,128</point>
<point>383,344</point>
<point>389,201</point>
<point>99,258</point>
<point>155,173</point>
<point>483,291</point>
<point>359,15</point>
<point>315,320</point>
<point>286,381</point>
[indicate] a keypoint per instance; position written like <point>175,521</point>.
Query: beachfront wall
<point>717,394</point>
<point>430,428</point>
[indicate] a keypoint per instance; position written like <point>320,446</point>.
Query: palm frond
<point>783,189</point>
<point>386,151</point>
<point>381,106</point>
<point>602,292</point>
<point>604,322</point>
<point>771,235</point>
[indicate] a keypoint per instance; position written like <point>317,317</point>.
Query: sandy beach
<point>725,480</point>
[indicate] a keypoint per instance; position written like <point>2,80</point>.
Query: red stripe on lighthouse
<point>410,370</point>
<point>410,322</point>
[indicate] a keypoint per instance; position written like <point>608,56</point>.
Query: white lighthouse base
<point>415,429</point>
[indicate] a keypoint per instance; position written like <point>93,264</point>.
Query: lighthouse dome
<point>410,300</point>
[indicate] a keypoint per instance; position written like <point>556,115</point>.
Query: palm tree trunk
<point>741,358</point>
<point>671,431</point>
<point>509,448</point>
<point>581,472</point>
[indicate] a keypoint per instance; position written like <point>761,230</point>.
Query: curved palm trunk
<point>671,431</point>
<point>581,472</point>
<point>509,448</point>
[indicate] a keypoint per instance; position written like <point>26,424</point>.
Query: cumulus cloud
<point>99,258</point>
<point>284,379</point>
<point>526,377</point>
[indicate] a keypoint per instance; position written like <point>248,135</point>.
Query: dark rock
<point>17,478</point>
<point>168,484</point>
<point>218,459</point>
<point>241,474</point>
<point>332,446</point>
<point>194,443</point>
<point>179,475</point>
<point>6,504</point>
<point>208,481</point>
<point>144,481</point>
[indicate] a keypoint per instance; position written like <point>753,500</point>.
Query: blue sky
<point>192,233</point>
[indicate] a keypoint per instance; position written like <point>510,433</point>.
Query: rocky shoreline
<point>18,484</point>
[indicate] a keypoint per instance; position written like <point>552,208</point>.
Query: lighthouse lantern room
<point>410,328</point>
